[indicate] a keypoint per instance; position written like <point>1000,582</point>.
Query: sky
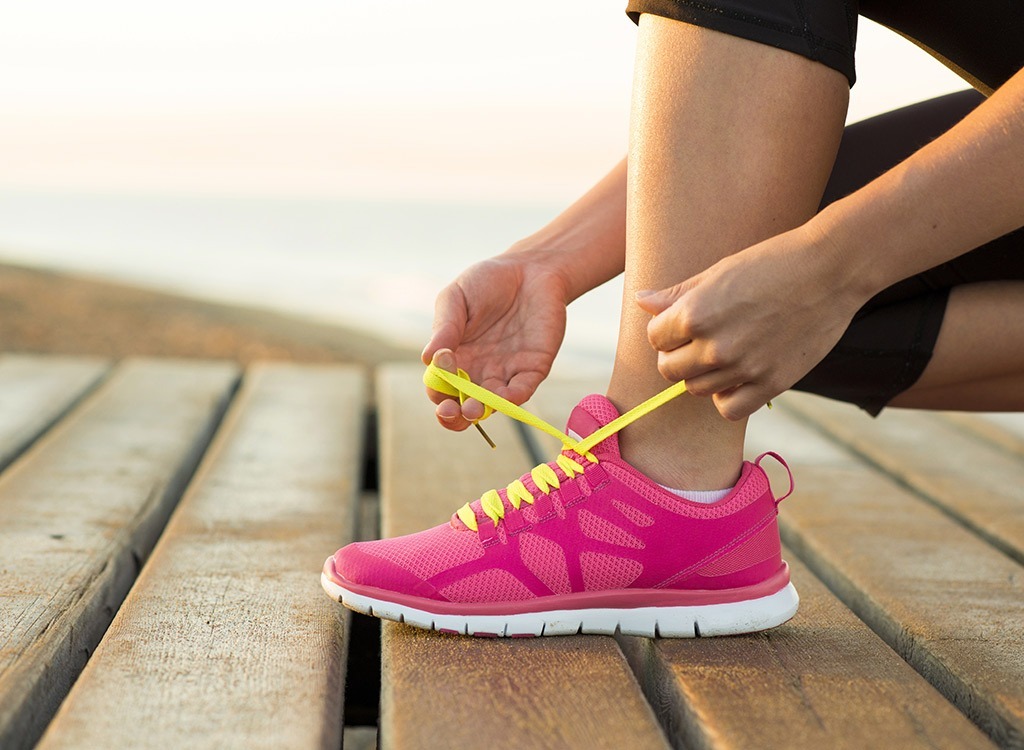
<point>410,99</point>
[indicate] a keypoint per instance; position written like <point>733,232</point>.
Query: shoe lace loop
<point>458,385</point>
<point>544,478</point>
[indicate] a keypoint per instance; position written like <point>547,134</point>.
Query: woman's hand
<point>502,320</point>
<point>755,323</point>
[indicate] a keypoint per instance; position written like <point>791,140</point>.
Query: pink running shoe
<point>585,544</point>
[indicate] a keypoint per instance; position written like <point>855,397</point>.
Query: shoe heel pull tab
<point>781,460</point>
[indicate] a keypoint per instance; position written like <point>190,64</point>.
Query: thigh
<point>873,146</point>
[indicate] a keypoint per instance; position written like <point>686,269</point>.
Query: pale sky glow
<point>413,99</point>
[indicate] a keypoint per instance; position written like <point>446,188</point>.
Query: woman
<point>763,248</point>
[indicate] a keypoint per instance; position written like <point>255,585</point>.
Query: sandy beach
<point>50,312</point>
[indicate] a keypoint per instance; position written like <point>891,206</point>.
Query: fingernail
<point>444,360</point>
<point>644,293</point>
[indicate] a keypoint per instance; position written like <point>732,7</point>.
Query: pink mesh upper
<point>746,492</point>
<point>491,585</point>
<point>758,548</point>
<point>661,540</point>
<point>601,571</point>
<point>597,528</point>
<point>546,560</point>
<point>592,412</point>
<point>429,552</point>
<point>635,515</point>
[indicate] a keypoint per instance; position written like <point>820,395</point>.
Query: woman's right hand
<point>502,321</point>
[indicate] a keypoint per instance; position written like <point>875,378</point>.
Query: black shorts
<point>891,339</point>
<point>982,40</point>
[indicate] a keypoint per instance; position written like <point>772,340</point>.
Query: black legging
<point>891,338</point>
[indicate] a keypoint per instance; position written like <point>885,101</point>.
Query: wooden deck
<point>163,524</point>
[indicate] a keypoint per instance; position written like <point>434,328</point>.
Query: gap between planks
<point>975,482</point>
<point>822,680</point>
<point>940,596</point>
<point>228,618</point>
<point>36,392</point>
<point>81,511</point>
<point>564,691</point>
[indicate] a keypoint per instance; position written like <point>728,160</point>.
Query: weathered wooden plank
<point>977,483</point>
<point>945,600</point>
<point>36,391</point>
<point>822,680</point>
<point>80,512</point>
<point>453,691</point>
<point>1004,430</point>
<point>1011,422</point>
<point>226,639</point>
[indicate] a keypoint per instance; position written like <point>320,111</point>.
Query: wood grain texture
<point>80,513</point>
<point>36,391</point>
<point>945,600</point>
<point>822,680</point>
<point>444,691</point>
<point>977,483</point>
<point>1003,430</point>
<point>227,639</point>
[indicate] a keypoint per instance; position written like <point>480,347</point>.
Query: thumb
<point>450,315</point>
<point>656,302</point>
<point>445,359</point>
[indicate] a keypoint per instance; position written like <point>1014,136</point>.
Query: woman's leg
<point>937,340</point>
<point>978,362</point>
<point>731,142</point>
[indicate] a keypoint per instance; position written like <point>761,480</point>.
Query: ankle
<point>682,445</point>
<point>678,467</point>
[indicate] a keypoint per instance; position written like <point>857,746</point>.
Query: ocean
<point>374,265</point>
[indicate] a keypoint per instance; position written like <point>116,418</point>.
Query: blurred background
<point>338,161</point>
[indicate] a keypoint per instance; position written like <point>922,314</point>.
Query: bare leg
<point>978,363</point>
<point>731,142</point>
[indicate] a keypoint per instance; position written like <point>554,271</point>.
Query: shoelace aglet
<point>484,435</point>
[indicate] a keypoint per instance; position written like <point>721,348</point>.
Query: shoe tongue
<point>593,412</point>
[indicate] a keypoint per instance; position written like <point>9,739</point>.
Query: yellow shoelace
<point>458,385</point>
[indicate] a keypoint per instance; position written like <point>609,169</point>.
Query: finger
<point>670,329</point>
<point>657,301</point>
<point>444,359</point>
<point>683,363</point>
<point>522,386</point>
<point>450,316</point>
<point>449,415</point>
<point>742,401</point>
<point>472,410</point>
<point>715,381</point>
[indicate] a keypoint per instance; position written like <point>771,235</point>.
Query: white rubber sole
<point>666,622</point>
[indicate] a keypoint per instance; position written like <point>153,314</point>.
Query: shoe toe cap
<point>355,564</point>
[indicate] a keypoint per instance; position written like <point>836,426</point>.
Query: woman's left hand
<point>756,322</point>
